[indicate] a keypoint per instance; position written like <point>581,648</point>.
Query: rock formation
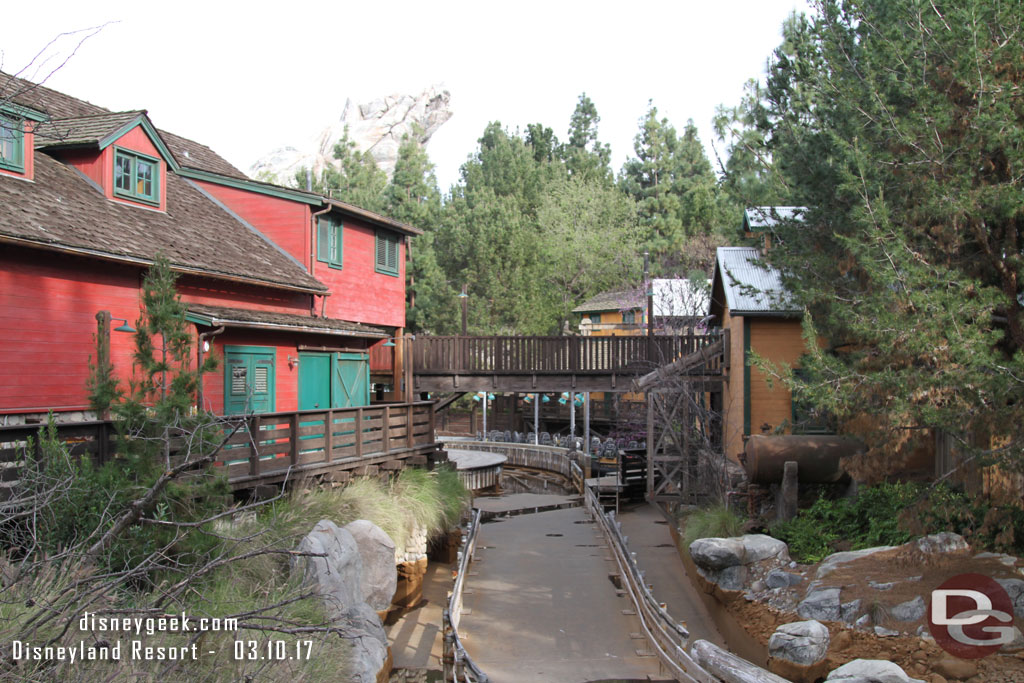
<point>376,127</point>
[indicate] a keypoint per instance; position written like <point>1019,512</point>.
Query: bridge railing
<point>265,446</point>
<point>551,355</point>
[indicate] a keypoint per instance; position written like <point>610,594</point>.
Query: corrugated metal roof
<point>750,285</point>
<point>757,218</point>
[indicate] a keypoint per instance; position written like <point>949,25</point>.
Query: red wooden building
<point>293,290</point>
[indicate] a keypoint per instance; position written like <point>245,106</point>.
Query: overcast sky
<point>245,78</point>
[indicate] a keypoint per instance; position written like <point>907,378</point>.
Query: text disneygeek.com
<point>106,645</point>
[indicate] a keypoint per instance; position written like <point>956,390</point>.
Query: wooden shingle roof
<point>58,106</point>
<point>82,130</point>
<point>64,210</point>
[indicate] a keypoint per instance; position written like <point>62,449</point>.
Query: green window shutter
<point>329,244</point>
<point>387,253</point>
<point>323,239</point>
<point>336,250</point>
<point>12,143</point>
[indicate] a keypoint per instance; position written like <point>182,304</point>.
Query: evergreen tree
<point>673,184</point>
<point>586,157</point>
<point>899,124</point>
<point>412,196</point>
<point>358,181</point>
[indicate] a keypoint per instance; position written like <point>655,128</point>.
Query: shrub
<point>717,521</point>
<point>894,513</point>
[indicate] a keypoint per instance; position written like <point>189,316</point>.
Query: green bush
<point>892,514</point>
<point>714,522</point>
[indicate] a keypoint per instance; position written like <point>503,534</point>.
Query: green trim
<point>251,349</point>
<point>386,253</point>
<point>250,185</point>
<point>135,157</point>
<point>746,377</point>
<point>197,319</point>
<point>151,132</point>
<point>22,111</point>
<point>17,126</point>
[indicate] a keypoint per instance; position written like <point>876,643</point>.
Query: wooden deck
<point>270,447</point>
<point>526,364</point>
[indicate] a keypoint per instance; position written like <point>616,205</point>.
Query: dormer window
<point>136,176</point>
<point>12,143</point>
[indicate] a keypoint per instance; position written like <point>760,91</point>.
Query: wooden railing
<point>271,443</point>
<point>264,447</point>
<point>550,355</point>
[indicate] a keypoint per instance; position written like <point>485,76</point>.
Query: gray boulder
<point>945,542</point>
<point>1015,588</point>
<point>833,561</point>
<point>821,604</point>
<point>1016,646</point>
<point>361,628</point>
<point>338,575</point>
<point>714,554</point>
<point>377,552</point>
<point>801,642</point>
<point>849,611</point>
<point>911,610</point>
<point>759,547</point>
<point>779,579</point>
<point>870,671</point>
<point>731,578</point>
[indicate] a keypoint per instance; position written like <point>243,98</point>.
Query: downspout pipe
<point>312,257</point>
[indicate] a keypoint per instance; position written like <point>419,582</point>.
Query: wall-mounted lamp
<point>292,361</point>
<point>125,327</point>
<point>391,340</point>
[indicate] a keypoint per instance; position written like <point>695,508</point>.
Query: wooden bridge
<point>547,364</point>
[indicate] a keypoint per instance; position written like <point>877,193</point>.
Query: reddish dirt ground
<point>920,658</point>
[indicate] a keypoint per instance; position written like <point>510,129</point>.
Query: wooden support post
<point>788,495</point>
<point>409,443</point>
<point>329,436</point>
<point>385,430</point>
<point>254,448</point>
<point>651,398</point>
<point>433,424</point>
<point>293,439</point>
<point>359,432</point>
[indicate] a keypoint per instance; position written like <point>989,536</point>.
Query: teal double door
<point>333,380</point>
<point>248,379</point>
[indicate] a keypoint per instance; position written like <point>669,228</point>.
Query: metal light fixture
<point>389,342</point>
<point>125,327</point>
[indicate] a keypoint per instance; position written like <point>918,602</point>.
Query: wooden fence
<point>550,355</point>
<point>265,448</point>
<point>319,440</point>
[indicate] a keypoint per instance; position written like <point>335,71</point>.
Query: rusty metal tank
<point>818,457</point>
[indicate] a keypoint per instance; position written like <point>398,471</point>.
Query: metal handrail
<point>471,673</point>
<point>668,637</point>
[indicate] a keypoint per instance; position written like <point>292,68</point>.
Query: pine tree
<point>586,157</point>
<point>673,184</point>
<point>898,123</point>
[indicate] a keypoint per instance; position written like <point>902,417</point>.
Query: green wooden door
<point>314,381</point>
<point>351,380</point>
<point>248,379</point>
